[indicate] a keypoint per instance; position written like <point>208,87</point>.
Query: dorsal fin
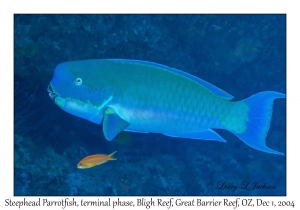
<point>214,89</point>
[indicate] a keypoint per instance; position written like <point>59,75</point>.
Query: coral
<point>75,182</point>
<point>23,107</point>
<point>27,51</point>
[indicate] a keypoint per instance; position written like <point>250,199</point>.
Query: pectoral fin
<point>113,124</point>
<point>201,135</point>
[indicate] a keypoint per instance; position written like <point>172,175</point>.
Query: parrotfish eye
<point>80,164</point>
<point>78,81</point>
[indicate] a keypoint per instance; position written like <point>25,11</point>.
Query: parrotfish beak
<point>51,92</point>
<point>83,109</point>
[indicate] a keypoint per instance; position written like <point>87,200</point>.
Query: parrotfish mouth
<point>52,94</point>
<point>77,107</point>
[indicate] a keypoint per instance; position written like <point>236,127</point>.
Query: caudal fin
<point>110,156</point>
<point>259,119</point>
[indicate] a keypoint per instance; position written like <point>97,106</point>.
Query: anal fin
<point>201,135</point>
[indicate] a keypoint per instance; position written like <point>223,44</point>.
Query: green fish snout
<point>80,109</point>
<point>60,101</point>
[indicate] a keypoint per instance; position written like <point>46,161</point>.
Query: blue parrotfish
<point>146,97</point>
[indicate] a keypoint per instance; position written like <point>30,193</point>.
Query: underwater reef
<point>241,54</point>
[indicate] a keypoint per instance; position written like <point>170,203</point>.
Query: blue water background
<point>241,54</point>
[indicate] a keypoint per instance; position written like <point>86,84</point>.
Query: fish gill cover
<point>240,54</point>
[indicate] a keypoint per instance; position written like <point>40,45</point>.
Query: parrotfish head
<point>79,89</point>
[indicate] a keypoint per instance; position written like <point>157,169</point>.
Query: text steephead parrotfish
<point>141,96</point>
<point>94,160</point>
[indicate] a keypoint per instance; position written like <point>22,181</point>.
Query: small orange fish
<point>94,160</point>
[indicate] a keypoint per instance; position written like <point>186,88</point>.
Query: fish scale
<point>173,102</point>
<point>188,95</point>
<point>141,96</point>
